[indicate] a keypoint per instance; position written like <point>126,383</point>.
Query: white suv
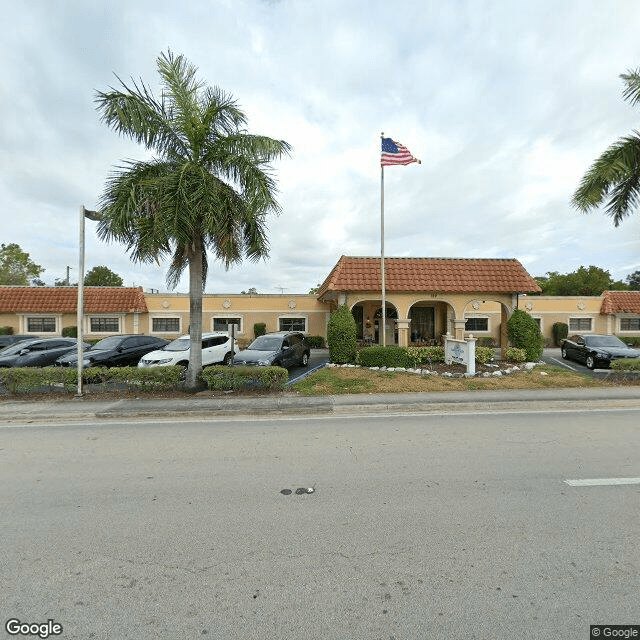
<point>216,348</point>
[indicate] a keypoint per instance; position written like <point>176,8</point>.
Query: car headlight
<point>164,361</point>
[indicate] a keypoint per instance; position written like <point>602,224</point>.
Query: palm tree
<point>208,188</point>
<point>615,175</point>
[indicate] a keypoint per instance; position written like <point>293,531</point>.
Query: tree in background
<point>614,177</point>
<point>590,281</point>
<point>633,281</point>
<point>102,277</point>
<point>252,291</point>
<point>16,267</point>
<point>315,289</point>
<point>209,187</point>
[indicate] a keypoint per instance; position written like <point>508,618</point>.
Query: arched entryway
<point>429,320</point>
<point>368,317</point>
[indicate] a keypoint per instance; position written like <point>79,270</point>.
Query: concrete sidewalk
<point>82,410</point>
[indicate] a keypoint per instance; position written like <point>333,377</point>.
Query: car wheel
<point>305,360</point>
<point>591,362</point>
<point>564,353</point>
<point>227,359</point>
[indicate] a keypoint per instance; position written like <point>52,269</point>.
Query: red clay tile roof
<point>446,275</point>
<point>64,299</point>
<point>620,301</point>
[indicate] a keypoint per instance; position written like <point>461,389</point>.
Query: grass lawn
<point>335,380</point>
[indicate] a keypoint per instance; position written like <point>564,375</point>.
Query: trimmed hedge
<point>626,364</point>
<point>259,329</point>
<point>560,331</point>
<point>70,332</point>
<point>222,377</point>
<point>26,379</point>
<point>6,331</point>
<point>316,342</point>
<point>410,357</point>
<point>524,333</point>
<point>632,341</point>
<point>342,336</point>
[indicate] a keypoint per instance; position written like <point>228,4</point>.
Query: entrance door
<point>422,324</point>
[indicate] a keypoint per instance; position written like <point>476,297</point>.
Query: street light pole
<point>92,215</point>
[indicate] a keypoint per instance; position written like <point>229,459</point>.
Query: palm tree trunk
<point>195,316</point>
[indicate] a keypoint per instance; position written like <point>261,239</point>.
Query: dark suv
<point>281,349</point>
<point>115,351</point>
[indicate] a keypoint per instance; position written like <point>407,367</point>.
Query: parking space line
<point>601,482</point>
<point>564,364</point>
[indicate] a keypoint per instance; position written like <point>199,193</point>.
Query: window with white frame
<point>165,325</point>
<point>221,323</point>
<point>476,324</point>
<point>292,324</point>
<point>580,324</point>
<point>104,324</point>
<point>41,324</point>
<point>629,324</point>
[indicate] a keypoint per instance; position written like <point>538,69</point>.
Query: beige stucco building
<point>426,298</point>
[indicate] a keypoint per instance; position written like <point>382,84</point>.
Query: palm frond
<point>631,91</point>
<point>615,174</point>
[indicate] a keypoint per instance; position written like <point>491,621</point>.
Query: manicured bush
<point>69,332</point>
<point>484,354</point>
<point>316,342</point>
<point>524,333</point>
<point>560,332</point>
<point>516,355</point>
<point>626,364</point>
<point>26,379</point>
<point>6,331</point>
<point>425,355</point>
<point>227,378</point>
<point>487,341</point>
<point>259,329</point>
<point>632,341</point>
<point>387,357</point>
<point>341,336</point>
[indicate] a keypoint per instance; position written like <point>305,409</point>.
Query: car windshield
<point>266,343</point>
<point>107,343</point>
<point>604,341</point>
<point>181,344</point>
<point>16,348</point>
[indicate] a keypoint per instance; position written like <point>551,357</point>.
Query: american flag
<point>394,153</point>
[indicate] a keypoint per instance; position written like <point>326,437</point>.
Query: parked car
<point>216,348</point>
<point>7,341</point>
<point>115,351</point>
<point>596,351</point>
<point>282,349</point>
<point>38,352</point>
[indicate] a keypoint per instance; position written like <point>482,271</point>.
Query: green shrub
<point>487,341</point>
<point>425,355</point>
<point>227,378</point>
<point>484,354</point>
<point>316,342</point>
<point>390,356</point>
<point>6,331</point>
<point>69,332</point>
<point>259,329</point>
<point>524,333</point>
<point>26,379</point>
<point>341,336</point>
<point>560,332</point>
<point>632,341</point>
<point>144,378</point>
<point>516,355</point>
<point>626,364</point>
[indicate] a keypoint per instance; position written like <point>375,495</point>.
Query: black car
<point>282,349</point>
<point>596,351</point>
<point>38,352</point>
<point>7,341</point>
<point>115,351</point>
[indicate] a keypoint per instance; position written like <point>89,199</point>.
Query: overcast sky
<point>506,103</point>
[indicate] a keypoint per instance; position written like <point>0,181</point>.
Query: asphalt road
<point>424,526</point>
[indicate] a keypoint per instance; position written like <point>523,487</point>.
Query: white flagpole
<point>384,293</point>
